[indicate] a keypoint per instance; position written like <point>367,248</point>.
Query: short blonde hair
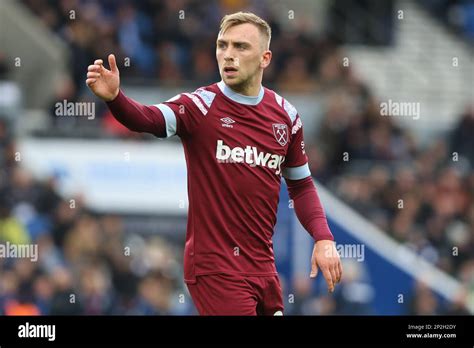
<point>247,17</point>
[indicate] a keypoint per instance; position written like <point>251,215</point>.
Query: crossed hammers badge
<point>280,131</point>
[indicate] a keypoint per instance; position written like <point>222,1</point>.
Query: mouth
<point>230,71</point>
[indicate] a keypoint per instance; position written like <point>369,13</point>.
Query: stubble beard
<point>241,86</point>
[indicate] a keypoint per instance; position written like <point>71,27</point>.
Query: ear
<point>266,59</point>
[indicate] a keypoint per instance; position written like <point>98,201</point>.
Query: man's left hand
<point>326,257</point>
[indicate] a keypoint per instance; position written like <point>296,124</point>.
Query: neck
<point>249,88</point>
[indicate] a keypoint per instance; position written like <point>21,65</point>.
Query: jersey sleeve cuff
<point>297,173</point>
<point>170,119</point>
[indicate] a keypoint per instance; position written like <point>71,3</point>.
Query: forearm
<point>138,117</point>
<point>308,208</point>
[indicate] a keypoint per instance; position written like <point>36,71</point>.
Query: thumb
<point>113,63</point>
<point>314,270</point>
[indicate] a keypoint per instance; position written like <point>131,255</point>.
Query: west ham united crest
<point>281,133</point>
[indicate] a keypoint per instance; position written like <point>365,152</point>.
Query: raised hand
<point>104,83</point>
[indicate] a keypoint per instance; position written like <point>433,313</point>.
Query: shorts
<point>224,294</point>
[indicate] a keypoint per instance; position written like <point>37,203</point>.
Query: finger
<point>94,68</point>
<point>112,63</point>
<point>339,266</point>
<point>93,74</point>
<point>338,273</point>
<point>333,271</point>
<point>100,64</point>
<point>90,81</point>
<point>327,275</point>
<point>314,270</point>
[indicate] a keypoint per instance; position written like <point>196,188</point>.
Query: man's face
<point>241,55</point>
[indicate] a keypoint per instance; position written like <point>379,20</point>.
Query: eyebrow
<point>243,43</point>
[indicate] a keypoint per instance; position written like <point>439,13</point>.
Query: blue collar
<point>239,98</point>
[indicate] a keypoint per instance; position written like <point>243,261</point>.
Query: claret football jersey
<point>237,148</point>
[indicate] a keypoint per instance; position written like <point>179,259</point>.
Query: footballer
<point>239,139</point>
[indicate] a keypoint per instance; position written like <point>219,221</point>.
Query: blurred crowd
<point>87,263</point>
<point>171,41</point>
<point>422,195</point>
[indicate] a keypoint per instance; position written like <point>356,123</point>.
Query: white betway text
<point>250,155</point>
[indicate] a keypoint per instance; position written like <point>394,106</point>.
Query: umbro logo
<point>227,122</point>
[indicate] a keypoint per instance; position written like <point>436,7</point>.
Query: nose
<point>228,54</point>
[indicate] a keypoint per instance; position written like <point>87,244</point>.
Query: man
<point>239,138</point>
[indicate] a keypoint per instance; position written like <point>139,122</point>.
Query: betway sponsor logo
<point>249,155</point>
